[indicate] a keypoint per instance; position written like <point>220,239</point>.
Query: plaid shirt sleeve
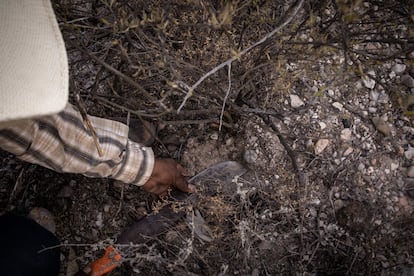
<point>62,143</point>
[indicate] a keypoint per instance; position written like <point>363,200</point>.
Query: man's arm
<point>62,143</point>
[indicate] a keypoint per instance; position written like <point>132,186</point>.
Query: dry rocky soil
<point>330,183</point>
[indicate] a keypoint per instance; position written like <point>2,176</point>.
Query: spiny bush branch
<point>239,55</point>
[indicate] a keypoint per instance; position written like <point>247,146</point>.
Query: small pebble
<point>348,151</point>
<point>322,125</point>
<point>253,139</point>
<point>368,82</point>
<point>394,166</point>
<point>214,136</point>
<point>410,172</point>
<point>381,126</point>
<point>250,156</point>
<point>372,110</point>
<point>230,141</point>
<point>338,106</point>
<point>408,81</point>
<point>403,202</point>
<point>309,144</point>
<point>338,204</point>
<point>99,220</point>
<point>295,101</point>
<point>321,145</point>
<point>346,135</point>
<point>398,68</point>
<point>378,222</point>
<point>409,154</point>
<point>371,73</point>
<point>374,95</point>
<point>371,170</point>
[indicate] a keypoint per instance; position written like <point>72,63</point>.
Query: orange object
<point>110,261</point>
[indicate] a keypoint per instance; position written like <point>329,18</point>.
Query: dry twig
<point>88,123</point>
<point>118,73</point>
<point>190,89</point>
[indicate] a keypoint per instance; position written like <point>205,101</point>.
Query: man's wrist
<point>138,164</point>
<point>146,166</point>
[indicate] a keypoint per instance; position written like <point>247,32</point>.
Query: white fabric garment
<point>33,62</point>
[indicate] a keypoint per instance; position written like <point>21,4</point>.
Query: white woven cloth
<point>33,61</point>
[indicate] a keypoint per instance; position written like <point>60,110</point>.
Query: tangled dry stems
<point>148,57</point>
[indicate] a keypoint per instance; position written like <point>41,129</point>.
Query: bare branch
<point>240,54</point>
<point>87,122</point>
<point>227,95</point>
<point>118,73</point>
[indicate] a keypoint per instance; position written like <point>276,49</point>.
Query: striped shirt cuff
<point>138,165</point>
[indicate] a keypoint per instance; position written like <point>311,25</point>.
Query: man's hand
<point>167,174</point>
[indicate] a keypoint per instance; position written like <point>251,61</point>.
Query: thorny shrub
<point>141,57</point>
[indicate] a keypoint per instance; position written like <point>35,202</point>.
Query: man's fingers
<point>181,184</point>
<point>155,188</point>
<point>162,192</point>
<point>185,186</point>
<point>181,170</point>
<point>168,173</point>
